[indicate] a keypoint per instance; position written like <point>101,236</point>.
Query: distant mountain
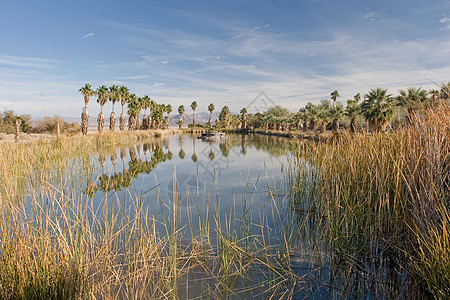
<point>200,117</point>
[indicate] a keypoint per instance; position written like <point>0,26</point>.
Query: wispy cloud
<point>87,35</point>
<point>28,62</point>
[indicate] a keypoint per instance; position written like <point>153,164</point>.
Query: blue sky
<point>225,52</point>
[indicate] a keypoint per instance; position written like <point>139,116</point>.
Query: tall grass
<point>385,199</point>
<point>58,242</point>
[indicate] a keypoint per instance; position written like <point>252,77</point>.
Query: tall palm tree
<point>334,95</point>
<point>168,110</point>
<point>377,108</point>
<point>157,115</point>
<point>146,103</point>
<point>194,107</point>
<point>133,110</point>
<point>124,95</point>
<point>353,111</point>
<point>181,111</point>
<point>413,98</point>
<point>224,115</point>
<point>87,92</point>
<point>211,109</point>
<point>102,98</point>
<point>243,113</point>
<point>114,96</point>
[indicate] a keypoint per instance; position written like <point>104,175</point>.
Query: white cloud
<point>87,35</point>
<point>444,20</point>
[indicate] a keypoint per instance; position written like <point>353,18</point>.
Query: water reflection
<point>153,154</point>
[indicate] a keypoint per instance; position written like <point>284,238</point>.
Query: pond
<point>231,220</point>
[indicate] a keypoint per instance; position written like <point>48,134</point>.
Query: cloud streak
<point>87,35</point>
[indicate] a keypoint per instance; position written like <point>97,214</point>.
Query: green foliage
<point>412,98</point>
<point>8,122</point>
<point>194,105</point>
<point>377,108</point>
<point>87,92</point>
<point>181,110</point>
<point>102,95</point>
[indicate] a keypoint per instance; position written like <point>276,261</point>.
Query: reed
<point>59,242</point>
<point>384,199</point>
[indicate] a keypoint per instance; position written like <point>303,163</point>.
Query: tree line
<point>376,107</point>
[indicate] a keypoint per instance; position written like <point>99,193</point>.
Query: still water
<point>187,172</point>
<point>265,235</point>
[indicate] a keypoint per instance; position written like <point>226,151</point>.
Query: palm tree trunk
<point>305,126</point>
<point>137,123</point>
<point>131,123</point>
<point>312,125</point>
<point>145,122</point>
<point>18,122</point>
<point>353,125</point>
<point>112,122</point>
<point>100,122</point>
<point>335,125</point>
<point>84,121</point>
<point>122,122</point>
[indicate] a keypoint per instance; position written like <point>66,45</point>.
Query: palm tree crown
<point>377,108</point>
<point>102,93</point>
<point>87,91</point>
<point>334,95</point>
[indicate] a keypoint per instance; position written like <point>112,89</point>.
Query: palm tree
<point>87,92</point>
<point>114,96</point>
<point>146,103</point>
<point>168,111</point>
<point>194,107</point>
<point>211,109</point>
<point>413,98</point>
<point>102,93</point>
<point>157,115</point>
<point>377,108</point>
<point>311,115</point>
<point>243,116</point>
<point>353,110</point>
<point>133,110</point>
<point>336,113</point>
<point>124,95</point>
<point>181,111</point>
<point>224,114</point>
<point>334,95</point>
<point>324,114</point>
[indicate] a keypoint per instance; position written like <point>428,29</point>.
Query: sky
<point>221,52</point>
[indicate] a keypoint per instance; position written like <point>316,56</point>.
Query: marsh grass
<point>58,243</point>
<point>384,199</point>
<point>364,215</point>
